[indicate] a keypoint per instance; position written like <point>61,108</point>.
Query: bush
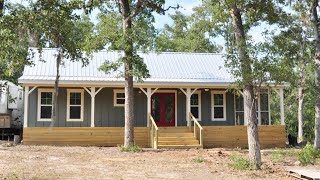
<point>134,148</point>
<point>308,155</point>
<point>198,159</point>
<point>240,163</point>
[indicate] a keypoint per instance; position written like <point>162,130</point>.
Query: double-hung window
<point>45,97</point>
<point>195,104</point>
<point>239,111</point>
<point>118,98</point>
<point>218,99</point>
<point>75,104</point>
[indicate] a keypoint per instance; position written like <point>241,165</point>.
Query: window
<point>218,105</point>
<point>119,98</point>
<point>264,107</point>
<point>195,104</point>
<point>75,103</point>
<point>263,101</point>
<point>45,97</point>
<point>239,112</point>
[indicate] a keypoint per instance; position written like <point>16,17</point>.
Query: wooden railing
<point>195,125</point>
<point>153,132</point>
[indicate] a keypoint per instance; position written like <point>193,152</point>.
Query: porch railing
<point>196,125</point>
<point>153,132</point>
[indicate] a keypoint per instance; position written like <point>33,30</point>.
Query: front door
<point>163,109</point>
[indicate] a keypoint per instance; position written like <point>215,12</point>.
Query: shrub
<point>308,155</point>
<point>239,162</point>
<point>134,148</point>
<point>198,159</point>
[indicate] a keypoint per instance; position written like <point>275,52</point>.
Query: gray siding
<point>206,119</point>
<point>107,115</point>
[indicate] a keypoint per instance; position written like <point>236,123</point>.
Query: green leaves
<point>187,34</point>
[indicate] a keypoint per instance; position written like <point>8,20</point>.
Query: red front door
<point>163,108</point>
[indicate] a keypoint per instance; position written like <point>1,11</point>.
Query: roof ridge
<point>148,52</point>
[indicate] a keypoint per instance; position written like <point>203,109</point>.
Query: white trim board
<point>224,106</point>
<point>68,105</point>
<point>41,90</point>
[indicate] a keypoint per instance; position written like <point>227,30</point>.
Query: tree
<point>315,21</point>
<point>187,34</point>
<point>127,26</point>
<point>14,40</point>
<point>59,27</point>
<point>247,66</point>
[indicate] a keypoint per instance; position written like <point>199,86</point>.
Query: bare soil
<point>49,162</point>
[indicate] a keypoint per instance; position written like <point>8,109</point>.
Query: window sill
<point>44,120</point>
<point>74,120</point>
<point>218,120</point>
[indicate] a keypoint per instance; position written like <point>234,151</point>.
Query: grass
<point>134,149</point>
<point>11,177</point>
<point>198,159</point>
<point>239,162</point>
<point>279,155</point>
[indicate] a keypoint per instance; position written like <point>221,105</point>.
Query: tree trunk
<point>300,115</point>
<point>315,21</point>
<point>248,91</point>
<point>56,89</point>
<point>128,51</point>
<point>300,139</point>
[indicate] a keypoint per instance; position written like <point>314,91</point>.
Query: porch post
<point>269,109</point>
<point>259,109</point>
<point>93,94</point>
<point>93,97</point>
<point>26,103</point>
<point>149,94</point>
<point>281,107</point>
<point>188,94</point>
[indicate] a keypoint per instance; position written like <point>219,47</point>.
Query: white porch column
<point>269,102</point>
<point>281,106</point>
<point>93,97</point>
<point>149,94</point>
<point>188,94</point>
<point>259,108</point>
<point>26,103</point>
<point>93,94</point>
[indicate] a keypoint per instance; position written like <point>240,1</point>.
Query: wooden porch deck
<point>214,136</point>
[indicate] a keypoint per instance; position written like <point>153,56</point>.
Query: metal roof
<point>165,68</point>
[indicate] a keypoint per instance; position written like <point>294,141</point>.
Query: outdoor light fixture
<point>206,89</point>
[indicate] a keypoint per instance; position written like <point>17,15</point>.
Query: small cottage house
<point>189,101</point>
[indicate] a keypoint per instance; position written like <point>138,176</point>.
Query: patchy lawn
<point>49,162</point>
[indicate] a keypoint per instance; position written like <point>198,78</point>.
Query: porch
<point>165,117</point>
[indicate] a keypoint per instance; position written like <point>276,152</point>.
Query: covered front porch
<point>182,116</point>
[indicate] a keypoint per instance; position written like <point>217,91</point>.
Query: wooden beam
<point>281,107</point>
<point>29,92</point>
<point>26,104</point>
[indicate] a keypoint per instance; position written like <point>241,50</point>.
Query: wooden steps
<point>177,138</point>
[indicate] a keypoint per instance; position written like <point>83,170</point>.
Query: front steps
<point>177,138</point>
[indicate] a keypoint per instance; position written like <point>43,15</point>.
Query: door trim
<point>175,106</point>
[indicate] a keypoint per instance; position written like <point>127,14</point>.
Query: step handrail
<point>153,132</point>
<point>196,122</point>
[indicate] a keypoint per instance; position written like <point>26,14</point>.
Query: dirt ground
<point>49,162</point>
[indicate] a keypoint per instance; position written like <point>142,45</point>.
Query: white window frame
<point>224,106</point>
<point>41,90</point>
<point>199,104</point>
<point>115,92</point>
<point>235,109</point>
<point>68,104</point>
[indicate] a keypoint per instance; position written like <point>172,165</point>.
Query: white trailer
<point>11,105</point>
